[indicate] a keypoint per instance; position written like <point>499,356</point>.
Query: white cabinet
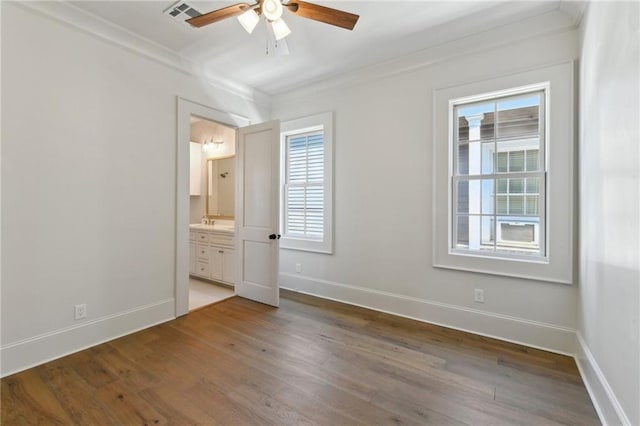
<point>213,255</point>
<point>228,265</point>
<point>195,168</point>
<point>222,264</point>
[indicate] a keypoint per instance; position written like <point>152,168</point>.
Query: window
<point>307,183</point>
<point>499,175</point>
<point>503,175</point>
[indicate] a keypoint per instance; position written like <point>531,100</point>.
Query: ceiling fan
<point>249,15</point>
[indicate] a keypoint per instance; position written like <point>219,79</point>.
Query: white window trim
<point>517,91</point>
<point>559,158</point>
<point>312,123</point>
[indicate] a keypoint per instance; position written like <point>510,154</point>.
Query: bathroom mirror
<point>221,180</point>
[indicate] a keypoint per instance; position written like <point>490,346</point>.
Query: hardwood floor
<point>311,361</point>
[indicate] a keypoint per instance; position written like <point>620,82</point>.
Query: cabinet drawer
<point>192,236</point>
<point>221,240</point>
<point>202,237</point>
<point>202,253</point>
<point>202,269</point>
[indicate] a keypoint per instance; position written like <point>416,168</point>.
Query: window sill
<point>305,245</point>
<point>511,258</point>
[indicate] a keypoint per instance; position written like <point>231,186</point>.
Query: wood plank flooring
<point>311,361</point>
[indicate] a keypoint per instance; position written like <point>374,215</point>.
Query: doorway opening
<point>212,176</point>
<point>247,255</point>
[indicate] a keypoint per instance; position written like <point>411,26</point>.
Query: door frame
<point>185,108</point>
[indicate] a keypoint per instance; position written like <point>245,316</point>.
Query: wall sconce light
<point>209,146</point>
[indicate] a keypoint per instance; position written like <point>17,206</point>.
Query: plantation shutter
<point>304,186</point>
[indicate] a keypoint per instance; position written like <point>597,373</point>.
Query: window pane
<point>502,161</point>
<point>474,197</point>
<point>463,231</point>
<point>469,197</point>
<point>468,232</point>
<point>463,159</point>
<point>474,158</point>
<point>517,236</point>
<point>488,231</point>
<point>516,204</point>
<point>463,197</point>
<point>502,186</point>
<point>518,116</point>
<point>487,196</point>
<point>516,161</point>
<point>517,153</point>
<point>532,202</point>
<point>502,204</point>
<point>516,186</point>
<point>488,149</point>
<point>533,185</point>
<point>475,122</point>
<point>533,164</point>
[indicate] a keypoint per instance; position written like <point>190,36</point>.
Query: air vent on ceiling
<point>181,11</point>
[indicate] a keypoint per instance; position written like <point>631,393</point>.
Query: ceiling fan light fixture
<point>249,20</point>
<point>272,9</point>
<point>280,29</point>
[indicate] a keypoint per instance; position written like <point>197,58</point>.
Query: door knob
<point>272,236</point>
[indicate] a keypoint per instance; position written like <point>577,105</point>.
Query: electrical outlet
<point>80,311</point>
<point>478,295</point>
<point>298,267</point>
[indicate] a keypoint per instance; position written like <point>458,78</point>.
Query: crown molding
<point>79,19</point>
<point>488,37</point>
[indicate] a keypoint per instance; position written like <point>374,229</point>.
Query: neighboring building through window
<point>499,179</point>
<point>307,183</point>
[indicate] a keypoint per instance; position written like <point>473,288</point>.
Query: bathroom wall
<point>202,131</point>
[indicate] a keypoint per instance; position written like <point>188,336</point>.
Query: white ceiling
<point>386,30</point>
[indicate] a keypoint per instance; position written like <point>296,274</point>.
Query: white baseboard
<point>37,350</point>
<point>534,334</point>
<point>604,399</point>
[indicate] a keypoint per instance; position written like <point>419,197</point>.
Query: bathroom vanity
<point>211,252</point>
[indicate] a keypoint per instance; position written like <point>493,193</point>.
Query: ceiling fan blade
<point>324,14</point>
<point>219,15</point>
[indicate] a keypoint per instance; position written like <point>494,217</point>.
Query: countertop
<point>227,229</point>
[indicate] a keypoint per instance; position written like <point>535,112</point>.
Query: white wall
<point>88,185</point>
<point>383,209</point>
<point>609,302</point>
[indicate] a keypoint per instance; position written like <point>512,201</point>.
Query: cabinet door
<point>192,258</point>
<point>202,253</point>
<point>202,269</point>
<point>228,266</point>
<point>216,263</point>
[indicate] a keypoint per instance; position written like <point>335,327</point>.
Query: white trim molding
<point>604,399</point>
<point>184,110</point>
<point>535,334</point>
<point>79,19</point>
<point>558,267</point>
<point>318,122</point>
<point>27,353</point>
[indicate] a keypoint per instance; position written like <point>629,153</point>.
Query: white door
<point>257,212</point>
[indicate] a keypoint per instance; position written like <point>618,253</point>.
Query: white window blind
<point>304,186</point>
